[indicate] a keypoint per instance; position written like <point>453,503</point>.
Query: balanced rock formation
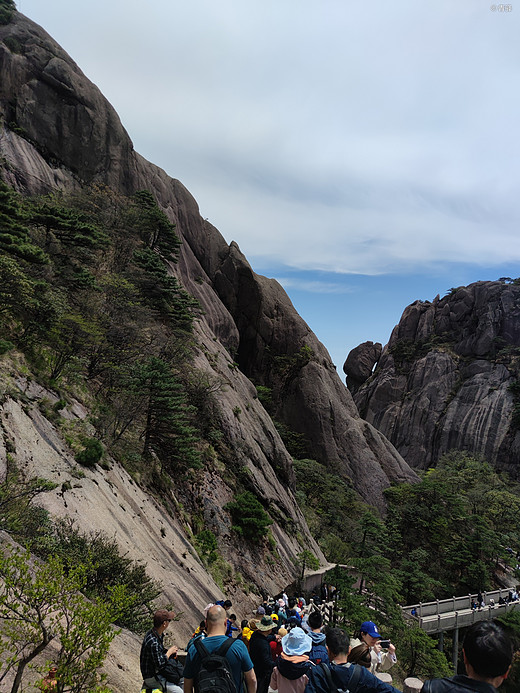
<point>448,378</point>
<point>360,363</point>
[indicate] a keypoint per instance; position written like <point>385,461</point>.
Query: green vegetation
<point>463,511</point>
<point>249,517</point>
<point>405,351</point>
<point>91,453</point>
<point>289,365</point>
<point>306,559</point>
<point>7,9</point>
<point>86,296</point>
<point>40,602</point>
<point>105,569</point>
<point>514,389</point>
<point>103,565</point>
<point>330,507</point>
<point>207,546</point>
<point>18,515</point>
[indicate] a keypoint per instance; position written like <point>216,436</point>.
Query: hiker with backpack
<point>319,648</point>
<point>217,663</point>
<point>339,675</point>
<point>159,667</point>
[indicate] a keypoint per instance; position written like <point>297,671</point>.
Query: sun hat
<point>370,628</point>
<point>266,623</point>
<point>253,625</point>
<point>296,642</point>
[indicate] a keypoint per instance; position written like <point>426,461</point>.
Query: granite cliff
<point>448,378</point>
<point>58,131</point>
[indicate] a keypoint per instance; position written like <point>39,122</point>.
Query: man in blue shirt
<point>238,657</point>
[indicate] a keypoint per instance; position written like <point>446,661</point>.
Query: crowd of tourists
<point>285,647</point>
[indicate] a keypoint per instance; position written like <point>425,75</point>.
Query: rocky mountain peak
<point>446,379</point>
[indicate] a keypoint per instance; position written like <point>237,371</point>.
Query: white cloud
<point>347,137</point>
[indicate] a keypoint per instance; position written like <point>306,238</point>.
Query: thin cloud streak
<point>315,286</point>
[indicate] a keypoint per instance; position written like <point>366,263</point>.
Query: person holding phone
<point>382,652</point>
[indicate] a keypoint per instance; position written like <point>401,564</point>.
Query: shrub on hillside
<point>249,517</point>
<point>7,9</point>
<point>91,453</point>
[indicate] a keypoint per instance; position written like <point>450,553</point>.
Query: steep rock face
<point>110,501</point>
<point>312,400</point>
<point>76,135</point>
<point>443,381</point>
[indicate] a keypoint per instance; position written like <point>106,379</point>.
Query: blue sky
<point>363,154</point>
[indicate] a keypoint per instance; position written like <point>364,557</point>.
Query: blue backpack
<point>319,654</point>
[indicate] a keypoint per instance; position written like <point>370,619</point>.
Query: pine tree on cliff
<point>167,430</point>
<point>14,235</point>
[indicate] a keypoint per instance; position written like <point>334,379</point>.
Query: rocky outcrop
<point>76,136</point>
<point>446,380</point>
<point>360,363</point>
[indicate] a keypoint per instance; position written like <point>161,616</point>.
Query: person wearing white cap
<point>382,659</point>
<point>290,674</point>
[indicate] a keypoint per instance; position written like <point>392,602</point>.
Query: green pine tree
<point>14,235</point>
<point>155,228</point>
<point>167,428</point>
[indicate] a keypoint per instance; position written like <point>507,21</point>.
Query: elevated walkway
<point>448,614</point>
<point>445,615</point>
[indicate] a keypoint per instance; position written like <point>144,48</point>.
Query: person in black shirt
<point>487,653</point>
<point>260,653</point>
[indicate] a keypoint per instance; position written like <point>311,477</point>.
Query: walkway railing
<point>454,603</point>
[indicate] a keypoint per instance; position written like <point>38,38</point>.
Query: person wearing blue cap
<point>290,674</point>
<point>382,659</point>
<point>339,674</point>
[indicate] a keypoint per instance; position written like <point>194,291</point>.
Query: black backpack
<point>352,684</point>
<point>215,671</point>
